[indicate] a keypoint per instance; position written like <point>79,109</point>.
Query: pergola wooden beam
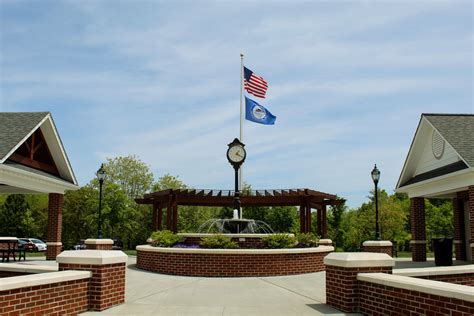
<point>306,199</point>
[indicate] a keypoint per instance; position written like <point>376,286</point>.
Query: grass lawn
<point>131,252</point>
<point>407,254</point>
<point>36,254</point>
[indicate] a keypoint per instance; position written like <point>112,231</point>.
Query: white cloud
<point>348,81</point>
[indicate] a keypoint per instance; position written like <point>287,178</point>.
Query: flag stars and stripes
<point>254,84</point>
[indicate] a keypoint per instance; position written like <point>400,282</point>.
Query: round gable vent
<point>437,145</point>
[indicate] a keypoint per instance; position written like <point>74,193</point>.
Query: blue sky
<point>348,81</point>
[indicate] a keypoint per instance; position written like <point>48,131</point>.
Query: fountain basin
<point>231,262</point>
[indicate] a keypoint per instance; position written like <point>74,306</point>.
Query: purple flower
<point>183,245</point>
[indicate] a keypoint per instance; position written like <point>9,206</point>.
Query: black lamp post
<point>375,177</point>
<point>101,176</point>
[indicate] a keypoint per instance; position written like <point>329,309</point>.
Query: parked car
<point>39,244</point>
<point>118,244</point>
<point>80,245</point>
<point>24,243</point>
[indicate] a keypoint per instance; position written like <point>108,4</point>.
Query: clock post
<point>236,155</point>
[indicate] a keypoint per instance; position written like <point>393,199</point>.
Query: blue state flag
<point>256,113</point>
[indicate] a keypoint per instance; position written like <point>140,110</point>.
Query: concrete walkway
<point>157,294</point>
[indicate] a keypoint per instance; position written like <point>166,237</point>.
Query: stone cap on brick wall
<point>236,251</point>
<point>94,257</point>
<point>26,268</point>
<point>8,238</point>
<point>358,260</point>
<point>54,243</point>
<point>91,241</point>
<point>377,243</point>
<point>41,279</point>
<point>461,292</point>
<point>325,241</point>
<point>416,272</point>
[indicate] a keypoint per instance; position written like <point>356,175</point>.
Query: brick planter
<point>99,244</point>
<point>107,285</point>
<point>231,262</point>
<point>378,246</point>
<point>341,276</point>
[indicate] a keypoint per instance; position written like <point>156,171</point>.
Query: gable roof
<point>458,130</point>
<point>16,127</point>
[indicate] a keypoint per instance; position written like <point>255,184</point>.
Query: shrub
<point>307,240</point>
<point>164,238</point>
<point>279,241</point>
<point>218,241</point>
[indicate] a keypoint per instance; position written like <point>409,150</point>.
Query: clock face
<point>236,153</point>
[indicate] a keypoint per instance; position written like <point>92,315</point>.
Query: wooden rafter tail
<point>268,193</point>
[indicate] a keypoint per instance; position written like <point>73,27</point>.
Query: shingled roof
<point>14,127</point>
<point>458,131</point>
<point>20,128</point>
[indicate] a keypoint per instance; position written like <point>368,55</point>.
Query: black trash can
<point>443,251</point>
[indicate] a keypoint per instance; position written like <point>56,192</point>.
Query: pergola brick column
<point>55,220</point>
<point>471,218</point>
<point>459,236</point>
<point>418,229</point>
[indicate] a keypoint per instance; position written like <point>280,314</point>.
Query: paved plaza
<point>157,294</point>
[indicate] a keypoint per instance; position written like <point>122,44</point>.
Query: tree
<point>131,174</point>
<point>335,231</point>
<point>13,216</point>
<point>168,182</point>
<point>282,219</point>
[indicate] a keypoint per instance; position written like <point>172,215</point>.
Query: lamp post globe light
<point>375,177</point>
<point>100,176</point>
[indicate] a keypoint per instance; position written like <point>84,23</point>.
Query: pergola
<point>306,199</point>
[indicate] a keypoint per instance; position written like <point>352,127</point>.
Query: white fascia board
<point>410,152</point>
<point>24,139</point>
<point>448,183</point>
<point>60,148</point>
<point>31,181</point>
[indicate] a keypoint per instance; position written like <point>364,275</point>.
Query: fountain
<point>235,225</point>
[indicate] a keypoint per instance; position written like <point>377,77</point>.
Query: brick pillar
<point>107,285</point>
<point>378,246</point>
<point>341,276</point>
<point>471,218</point>
<point>55,221</point>
<point>418,229</point>
<point>458,219</point>
<point>99,244</point>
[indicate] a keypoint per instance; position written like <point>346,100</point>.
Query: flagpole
<point>241,116</point>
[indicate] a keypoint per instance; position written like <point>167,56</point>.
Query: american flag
<point>254,84</point>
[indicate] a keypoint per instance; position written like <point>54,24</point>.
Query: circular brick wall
<point>231,262</point>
